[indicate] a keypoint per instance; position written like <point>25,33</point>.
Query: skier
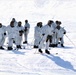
<point>12,35</point>
<point>47,32</point>
<point>26,31</point>
<point>37,34</point>
<point>53,43</point>
<point>2,35</point>
<point>15,24</point>
<point>20,29</point>
<point>60,33</point>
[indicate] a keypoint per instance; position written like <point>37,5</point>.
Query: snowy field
<point>61,61</point>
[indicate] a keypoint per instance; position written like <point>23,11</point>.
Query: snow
<point>61,61</point>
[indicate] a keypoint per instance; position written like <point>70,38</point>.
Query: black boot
<point>1,48</point>
<point>35,46</point>
<point>40,51</point>
<point>56,45</point>
<point>18,46</point>
<point>25,42</point>
<point>46,51</point>
<point>52,45</point>
<point>10,48</point>
<point>62,45</point>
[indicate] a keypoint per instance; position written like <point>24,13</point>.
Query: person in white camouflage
<point>37,34</point>
<point>60,31</point>
<point>47,32</point>
<point>26,31</point>
<point>2,35</point>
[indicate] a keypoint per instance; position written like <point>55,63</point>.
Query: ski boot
<point>40,51</point>
<point>46,51</point>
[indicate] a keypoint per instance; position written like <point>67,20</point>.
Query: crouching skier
<point>2,35</point>
<point>47,32</point>
<point>37,34</point>
<point>19,35</point>
<point>12,32</point>
<point>59,34</point>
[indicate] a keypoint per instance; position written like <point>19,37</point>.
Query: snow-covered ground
<point>61,61</point>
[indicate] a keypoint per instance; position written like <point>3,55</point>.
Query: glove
<point>60,39</point>
<point>21,31</point>
<point>25,29</point>
<point>43,34</point>
<point>53,32</point>
<point>64,32</point>
<point>4,33</point>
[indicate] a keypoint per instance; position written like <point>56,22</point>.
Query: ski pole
<point>70,41</point>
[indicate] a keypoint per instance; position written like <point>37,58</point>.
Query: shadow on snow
<point>18,52</point>
<point>60,62</point>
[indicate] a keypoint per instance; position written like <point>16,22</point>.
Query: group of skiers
<point>14,31</point>
<point>51,34</point>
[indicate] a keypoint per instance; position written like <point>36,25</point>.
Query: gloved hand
<point>43,34</point>
<point>4,33</point>
<point>53,32</point>
<point>64,32</point>
<point>21,31</point>
<point>25,29</point>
